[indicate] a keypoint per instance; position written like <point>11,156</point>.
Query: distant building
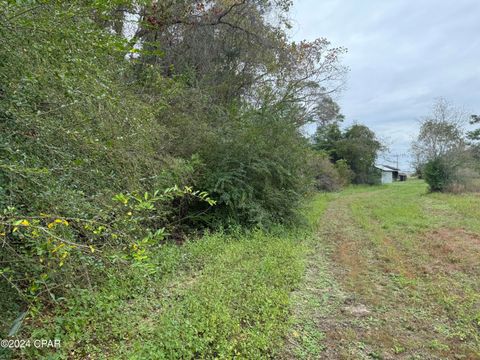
<point>390,174</point>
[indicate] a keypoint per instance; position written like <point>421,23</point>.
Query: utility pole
<point>396,159</point>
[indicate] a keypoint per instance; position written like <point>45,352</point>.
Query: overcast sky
<point>402,54</point>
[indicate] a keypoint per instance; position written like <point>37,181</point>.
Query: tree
<point>442,153</point>
<point>326,138</point>
<point>328,112</point>
<point>441,134</point>
<point>359,147</point>
<point>232,51</point>
<point>474,135</point>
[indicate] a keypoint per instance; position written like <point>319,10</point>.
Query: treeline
<point>353,151</point>
<point>446,154</point>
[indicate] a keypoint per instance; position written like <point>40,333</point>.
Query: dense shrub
<point>373,176</point>
<point>346,174</point>
<point>256,169</point>
<point>438,175</point>
<point>328,176</point>
<point>74,135</point>
<point>455,172</point>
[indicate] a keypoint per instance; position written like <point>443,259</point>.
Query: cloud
<point>402,54</point>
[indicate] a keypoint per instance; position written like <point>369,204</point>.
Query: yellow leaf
<point>58,248</point>
<point>61,221</point>
<point>92,249</point>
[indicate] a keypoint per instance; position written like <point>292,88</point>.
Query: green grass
<point>220,296</point>
<point>314,208</point>
<point>411,258</point>
<point>305,339</point>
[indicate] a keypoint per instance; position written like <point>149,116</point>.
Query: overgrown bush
<point>345,172</point>
<point>328,176</point>
<point>46,255</point>
<point>438,175</point>
<point>256,169</point>
<point>72,132</point>
<point>456,172</point>
<point>74,135</point>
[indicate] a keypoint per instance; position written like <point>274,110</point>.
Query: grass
<point>311,299</point>
<point>409,257</point>
<point>221,296</point>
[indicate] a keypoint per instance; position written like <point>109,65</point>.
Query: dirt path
<point>376,289</point>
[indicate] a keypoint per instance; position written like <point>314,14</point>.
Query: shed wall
<point>387,177</point>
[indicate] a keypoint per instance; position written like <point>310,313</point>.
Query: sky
<point>402,55</point>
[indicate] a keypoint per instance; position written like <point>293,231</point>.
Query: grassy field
<point>394,274</point>
<point>386,272</point>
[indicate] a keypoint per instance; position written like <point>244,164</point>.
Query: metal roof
<point>391,167</point>
<point>384,168</point>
